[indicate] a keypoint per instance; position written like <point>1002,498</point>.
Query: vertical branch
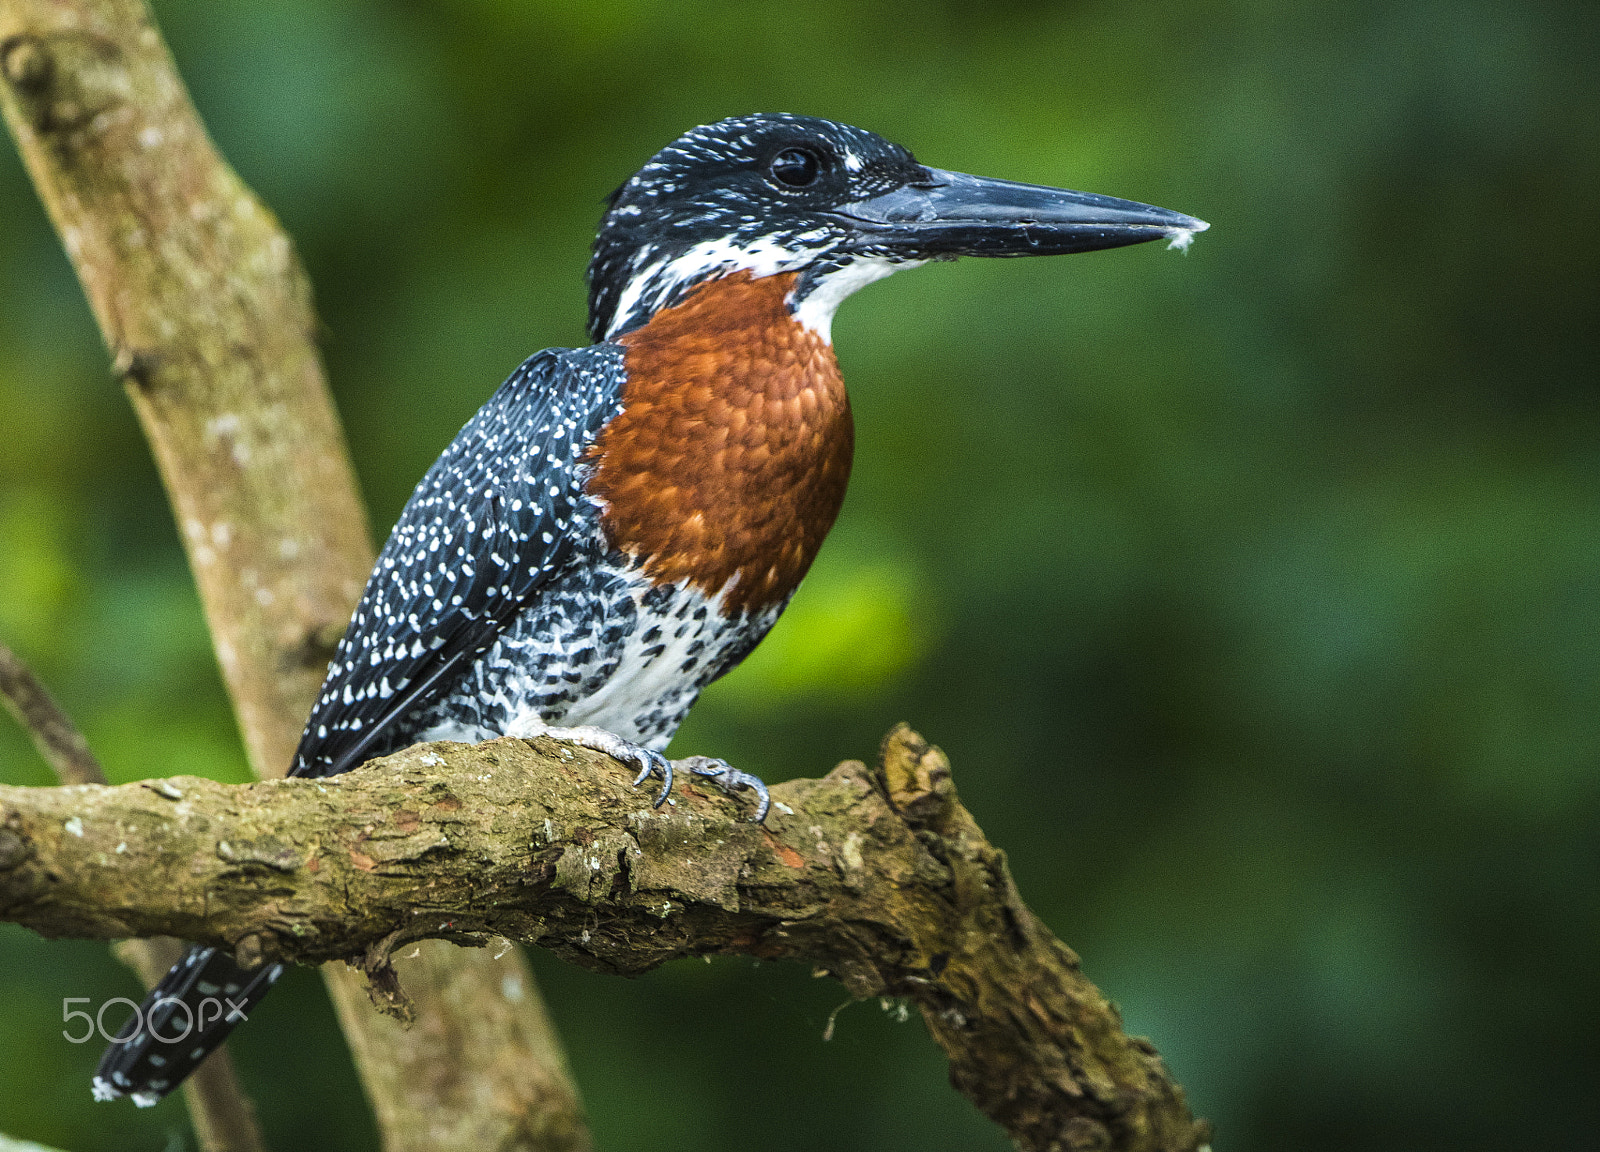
<point>454,1073</point>
<point>207,312</point>
<point>223,1116</point>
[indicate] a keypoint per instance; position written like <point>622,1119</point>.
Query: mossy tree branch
<point>882,879</point>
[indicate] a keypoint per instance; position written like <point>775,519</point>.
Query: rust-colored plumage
<point>730,458</point>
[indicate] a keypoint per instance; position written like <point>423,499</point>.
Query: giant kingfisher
<point>622,523</point>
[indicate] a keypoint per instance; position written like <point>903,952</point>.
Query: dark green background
<point>1253,593</point>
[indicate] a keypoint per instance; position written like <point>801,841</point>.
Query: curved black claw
<point>729,779</point>
<point>652,763</point>
<point>649,762</point>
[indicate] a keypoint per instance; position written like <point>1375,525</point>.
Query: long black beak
<point>953,214</point>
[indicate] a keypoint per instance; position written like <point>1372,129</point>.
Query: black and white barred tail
<point>185,1018</point>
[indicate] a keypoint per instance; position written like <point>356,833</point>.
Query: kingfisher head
<point>839,205</point>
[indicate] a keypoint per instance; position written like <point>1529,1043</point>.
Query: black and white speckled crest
<point>500,514</point>
<point>708,204</point>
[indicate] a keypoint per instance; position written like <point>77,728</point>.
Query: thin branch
<point>880,878</point>
<point>52,732</point>
<point>224,1117</point>
<point>207,313</point>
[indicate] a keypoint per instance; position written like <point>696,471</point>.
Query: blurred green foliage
<point>1255,594</point>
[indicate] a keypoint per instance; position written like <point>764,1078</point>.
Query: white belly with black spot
<point>602,647</point>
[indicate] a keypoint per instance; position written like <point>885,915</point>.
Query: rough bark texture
<point>207,312</point>
<point>880,878</point>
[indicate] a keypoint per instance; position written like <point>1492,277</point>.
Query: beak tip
<point>1181,236</point>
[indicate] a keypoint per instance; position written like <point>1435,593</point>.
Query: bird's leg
<point>647,760</point>
<point>728,778</point>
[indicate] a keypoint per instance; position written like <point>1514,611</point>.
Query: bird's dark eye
<point>795,167</point>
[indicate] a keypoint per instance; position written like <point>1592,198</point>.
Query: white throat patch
<point>817,309</point>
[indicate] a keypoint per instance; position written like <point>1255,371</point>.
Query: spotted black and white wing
<point>498,515</point>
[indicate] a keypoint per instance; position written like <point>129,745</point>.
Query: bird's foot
<point>650,763</point>
<point>729,779</point>
<point>647,760</point>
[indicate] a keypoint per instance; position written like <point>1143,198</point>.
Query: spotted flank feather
<point>501,514</point>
